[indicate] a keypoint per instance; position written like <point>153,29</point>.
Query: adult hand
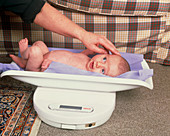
<point>92,42</point>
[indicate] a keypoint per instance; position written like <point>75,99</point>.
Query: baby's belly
<point>55,56</point>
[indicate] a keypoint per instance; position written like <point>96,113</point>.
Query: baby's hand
<point>45,64</point>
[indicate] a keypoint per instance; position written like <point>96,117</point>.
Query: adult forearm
<point>51,19</point>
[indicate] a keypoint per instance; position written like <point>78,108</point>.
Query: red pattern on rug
<point>17,114</point>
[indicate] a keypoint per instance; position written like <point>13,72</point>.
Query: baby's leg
<point>23,46</point>
<point>42,46</point>
<point>34,56</point>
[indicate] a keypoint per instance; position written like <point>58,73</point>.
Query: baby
<point>38,58</point>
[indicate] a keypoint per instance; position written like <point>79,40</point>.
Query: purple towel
<point>11,66</point>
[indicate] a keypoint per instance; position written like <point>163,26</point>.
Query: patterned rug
<point>17,115</point>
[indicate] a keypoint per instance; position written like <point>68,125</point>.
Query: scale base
<point>70,109</point>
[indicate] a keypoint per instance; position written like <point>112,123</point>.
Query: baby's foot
<point>19,61</point>
<point>23,45</point>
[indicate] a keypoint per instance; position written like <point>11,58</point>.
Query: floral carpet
<point>17,115</point>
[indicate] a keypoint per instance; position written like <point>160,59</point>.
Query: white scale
<point>76,101</point>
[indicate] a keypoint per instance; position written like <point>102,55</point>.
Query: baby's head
<point>110,65</point>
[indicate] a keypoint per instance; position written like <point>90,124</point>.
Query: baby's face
<point>104,64</point>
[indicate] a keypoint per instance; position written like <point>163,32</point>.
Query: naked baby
<point>38,58</point>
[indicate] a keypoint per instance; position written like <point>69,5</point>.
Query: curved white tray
<point>79,82</point>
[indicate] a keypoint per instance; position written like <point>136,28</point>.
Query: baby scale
<point>76,101</point>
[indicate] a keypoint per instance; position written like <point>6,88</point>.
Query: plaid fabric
<point>145,35</point>
<point>117,7</point>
